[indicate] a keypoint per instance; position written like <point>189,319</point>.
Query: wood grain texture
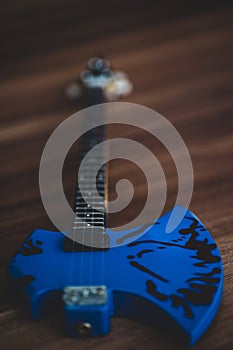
<point>180,60</point>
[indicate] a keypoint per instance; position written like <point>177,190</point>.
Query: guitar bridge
<point>85,295</point>
<point>87,310</point>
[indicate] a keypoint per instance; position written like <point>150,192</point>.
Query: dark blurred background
<point>178,55</point>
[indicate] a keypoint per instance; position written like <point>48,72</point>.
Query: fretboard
<point>90,218</point>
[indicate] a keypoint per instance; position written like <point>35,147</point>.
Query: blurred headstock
<point>100,74</point>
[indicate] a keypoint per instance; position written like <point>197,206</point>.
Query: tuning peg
<point>119,86</point>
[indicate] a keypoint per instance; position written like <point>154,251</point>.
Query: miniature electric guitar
<point>173,281</point>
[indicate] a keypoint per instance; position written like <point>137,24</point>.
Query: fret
<point>101,170</point>
<point>91,220</point>
<point>91,169</point>
<point>88,188</point>
<point>85,176</point>
<point>90,212</point>
<point>80,225</point>
<point>87,191</point>
<point>90,184</point>
<point>96,215</point>
<point>89,161</point>
<point>97,159</point>
<point>90,216</point>
<point>88,208</point>
<point>78,193</point>
<point>89,194</point>
<point>93,208</point>
<point>93,201</point>
<point>98,220</point>
<point>88,181</point>
<point>82,231</point>
<point>92,187</point>
<point>90,227</point>
<point>83,214</point>
<point>86,184</point>
<point>93,197</point>
<point>91,223</point>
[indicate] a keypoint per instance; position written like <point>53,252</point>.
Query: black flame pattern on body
<point>201,287</point>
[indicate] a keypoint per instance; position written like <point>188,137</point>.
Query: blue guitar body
<point>172,280</point>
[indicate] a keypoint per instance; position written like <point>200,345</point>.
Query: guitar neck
<point>97,82</point>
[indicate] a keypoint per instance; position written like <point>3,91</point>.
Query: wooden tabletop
<point>179,59</point>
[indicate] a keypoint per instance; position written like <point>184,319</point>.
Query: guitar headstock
<point>100,74</point>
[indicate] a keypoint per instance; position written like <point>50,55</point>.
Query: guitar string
<point>82,261</point>
<point>84,230</point>
<point>100,180</point>
<point>106,187</point>
<point>76,230</point>
<point>104,203</point>
<point>92,233</point>
<point>99,217</point>
<point>73,235</point>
